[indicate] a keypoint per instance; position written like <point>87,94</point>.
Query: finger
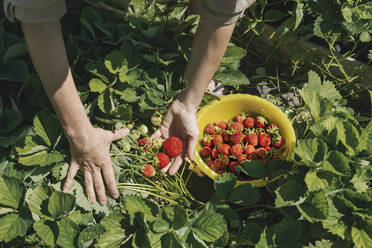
<point>120,133</point>
<point>191,147</point>
<point>157,134</point>
<point>175,165</point>
<point>74,167</point>
<point>89,185</point>
<point>166,168</point>
<point>109,176</point>
<point>99,186</point>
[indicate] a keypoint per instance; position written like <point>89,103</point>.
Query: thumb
<point>120,133</point>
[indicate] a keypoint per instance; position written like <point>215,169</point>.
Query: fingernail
<point>115,196</point>
<point>102,202</point>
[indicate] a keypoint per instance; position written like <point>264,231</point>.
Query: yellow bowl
<point>231,105</point>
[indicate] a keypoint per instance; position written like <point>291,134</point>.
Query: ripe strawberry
<point>252,139</point>
<point>242,158</point>
<point>209,129</point>
<point>272,128</point>
<point>252,156</point>
<point>217,139</point>
<point>264,140</point>
<point>261,152</point>
<point>214,153</point>
<point>236,150</point>
<point>249,149</point>
<point>236,138</point>
<point>232,165</point>
<point>162,160</point>
<point>226,137</point>
<point>205,151</point>
<point>206,143</point>
<point>277,142</point>
<point>224,149</point>
<point>148,170</point>
<point>146,142</point>
<point>221,124</point>
<point>210,163</point>
<point>220,171</point>
<point>237,127</point>
<point>260,122</point>
<point>248,122</point>
<point>268,148</point>
<point>238,118</point>
<point>220,163</point>
<point>173,146</point>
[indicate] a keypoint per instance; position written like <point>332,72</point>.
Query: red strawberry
<point>272,128</point>
<point>232,165</point>
<point>242,158</point>
<point>220,171</point>
<point>264,140</point>
<point>162,160</point>
<point>214,153</point>
<point>146,142</point>
<point>220,163</point>
<point>148,170</point>
<point>237,127</point>
<point>248,122</point>
<point>173,146</point>
<point>210,163</point>
<point>260,122</point>
<point>236,138</point>
<point>278,142</point>
<point>224,149</point>
<point>261,152</point>
<point>221,124</point>
<point>249,149</point>
<point>238,118</point>
<point>268,148</point>
<point>209,129</point>
<point>226,137</point>
<point>206,143</point>
<point>252,139</point>
<point>217,139</point>
<point>236,150</point>
<point>252,156</point>
<point>205,151</point>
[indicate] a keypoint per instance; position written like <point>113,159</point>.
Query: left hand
<point>180,121</point>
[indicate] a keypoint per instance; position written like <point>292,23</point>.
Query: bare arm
<point>89,146</point>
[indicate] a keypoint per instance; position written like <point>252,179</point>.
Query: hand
<point>180,121</point>
<point>90,153</point>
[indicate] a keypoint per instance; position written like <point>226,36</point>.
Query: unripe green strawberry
<point>143,130</point>
<point>156,119</point>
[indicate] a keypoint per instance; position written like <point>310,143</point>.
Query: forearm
<point>208,48</point>
<point>48,53</point>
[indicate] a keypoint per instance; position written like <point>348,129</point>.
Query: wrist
<point>189,100</point>
<point>78,132</point>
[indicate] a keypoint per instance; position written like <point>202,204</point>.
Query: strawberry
<point>148,170</point>
<point>209,129</point>
<point>226,137</point>
<point>220,163</point>
<point>146,142</point>
<point>248,122</point>
<point>236,138</point>
<point>221,124</point>
<point>242,158</point>
<point>261,152</point>
<point>162,160</point>
<point>205,142</point>
<point>252,139</point>
<point>238,118</point>
<point>268,148</point>
<point>278,141</point>
<point>260,122</point>
<point>210,163</point>
<point>232,165</point>
<point>249,149</point>
<point>272,128</point>
<point>252,156</point>
<point>264,140</point>
<point>221,171</point>
<point>237,127</point>
<point>214,153</point>
<point>205,151</point>
<point>224,149</point>
<point>173,146</point>
<point>217,139</point>
<point>236,150</point>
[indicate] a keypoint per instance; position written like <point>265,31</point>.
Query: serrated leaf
<point>360,238</point>
<point>365,37</point>
<point>128,95</point>
<point>288,231</point>
<point>11,191</point>
<point>160,225</point>
<point>114,234</point>
<point>311,150</point>
<point>81,218</point>
<point>315,208</point>
<point>314,183</point>
<point>288,193</point>
<point>42,158</point>
<point>135,204</point>
<point>171,240</point>
<point>9,120</point>
<point>67,232</point>
<point>99,69</point>
<point>194,241</point>
<point>232,54</point>
<point>47,231</point>
<point>176,215</point>
<point>14,70</point>
<point>60,203</point>
<point>37,201</point>
<point>337,164</point>
<point>317,105</point>
<point>249,234</point>
<point>273,15</point>
<point>90,233</point>
<point>155,99</point>
<point>96,85</point>
<point>254,168</point>
<point>115,62</point>
<point>224,184</point>
<point>334,223</point>
<point>106,102</point>
<point>47,127</point>
<point>15,51</point>
<point>231,78</point>
<point>11,226</point>
<point>208,225</point>
<point>244,194</point>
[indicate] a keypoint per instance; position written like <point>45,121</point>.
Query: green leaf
<point>99,69</point>
<point>288,231</point>
<point>334,223</point>
<point>273,15</point>
<point>249,234</point>
<point>314,183</point>
<point>37,201</point>
<point>231,78</point>
<point>88,234</point>
<point>128,95</point>
<point>277,167</point>
<point>232,54</point>
<point>254,168</point>
<point>106,102</point>
<point>364,10</point>
<point>194,241</point>
<point>115,62</point>
<point>299,15</point>
<point>360,238</point>
<point>135,204</point>
<point>337,164</point>
<point>365,37</point>
<point>171,240</point>
<point>11,226</point>
<point>224,184</point>
<point>244,194</point>
<point>96,85</point>
<point>47,127</point>
<point>208,225</point>
<point>47,231</point>
<point>315,208</point>
<point>9,120</point>
<point>155,99</point>
<point>81,218</point>
<point>114,234</point>
<point>11,191</point>
<point>67,232</point>
<point>14,70</point>
<point>176,215</point>
<point>42,158</point>
<point>60,203</point>
<point>15,51</point>
<point>160,225</point>
<point>311,150</point>
<point>317,105</point>
<point>289,192</point>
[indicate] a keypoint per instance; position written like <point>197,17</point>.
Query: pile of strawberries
<point>225,144</point>
<point>172,147</point>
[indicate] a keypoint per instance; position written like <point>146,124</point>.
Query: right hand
<point>90,154</point>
